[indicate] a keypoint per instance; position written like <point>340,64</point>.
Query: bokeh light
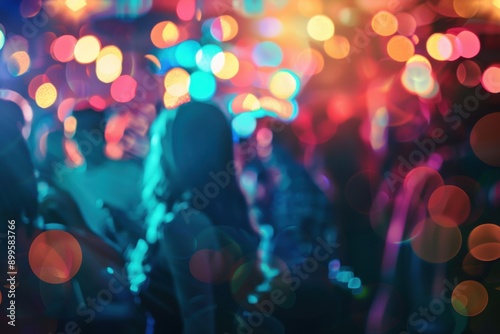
<point>320,27</point>
<point>224,28</point>
<point>224,65</point>
<point>406,24</point>
<point>205,55</point>
<point>164,34</point>
<point>63,48</point>
<point>384,23</point>
<point>114,151</point>
<point>70,124</point>
<point>337,47</point>
<point>65,109</point>
<point>419,59</point>
<point>485,139</point>
<point>439,46</point>
<point>423,181</point>
<point>123,89</point>
<point>472,266</point>
<point>284,84</point>
<point>74,157</point>
<point>449,206</point>
<point>75,5</point>
<point>208,266</point>
<point>87,49</point>
<point>466,8</point>
<point>267,54</point>
<point>491,79</point>
<point>469,298</point>
<point>154,60</point>
<point>185,53</point>
<point>186,9</point>
<point>284,109</point>
<point>435,243</point>
<point>308,62</point>
<point>484,242</point>
<point>29,9</point>
<point>470,44</point>
<point>270,27</point>
<point>172,102</point>
<point>19,63</point>
<point>374,77</point>
<point>456,47</point>
<point>115,128</point>
<point>36,82</point>
<point>55,256</point>
<point>109,64</point>
<point>46,95</point>
<point>177,82</point>
<point>244,124</point>
<point>202,86</point>
<point>469,73</point>
<point>400,48</point>
<point>97,102</point>
<point>244,103</point>
<point>14,43</point>
<point>417,76</point>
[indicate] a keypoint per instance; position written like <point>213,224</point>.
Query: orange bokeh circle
<point>55,256</point>
<point>484,242</point>
<point>469,298</point>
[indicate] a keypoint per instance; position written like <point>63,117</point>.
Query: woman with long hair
<point>197,225</point>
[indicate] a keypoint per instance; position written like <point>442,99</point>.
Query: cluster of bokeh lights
<point>383,66</point>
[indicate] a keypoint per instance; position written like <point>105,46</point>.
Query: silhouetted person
<point>197,223</point>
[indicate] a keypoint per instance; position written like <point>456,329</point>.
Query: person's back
<point>198,230</point>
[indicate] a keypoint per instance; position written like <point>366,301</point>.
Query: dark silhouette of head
<point>188,147</point>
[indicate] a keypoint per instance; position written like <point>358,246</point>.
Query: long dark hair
<point>190,146</point>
